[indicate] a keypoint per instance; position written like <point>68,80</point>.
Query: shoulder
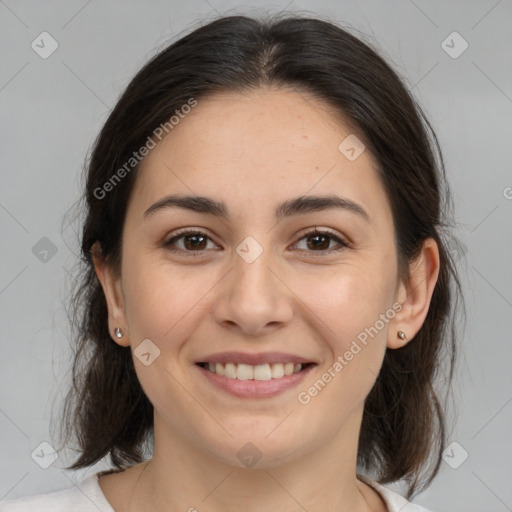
<point>394,501</point>
<point>86,496</point>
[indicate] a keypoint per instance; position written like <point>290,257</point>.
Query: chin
<point>258,450</point>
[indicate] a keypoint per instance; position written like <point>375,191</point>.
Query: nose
<point>254,298</point>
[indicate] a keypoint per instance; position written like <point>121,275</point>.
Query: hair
<point>404,425</point>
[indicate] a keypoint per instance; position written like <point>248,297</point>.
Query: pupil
<point>322,244</point>
<point>194,245</point>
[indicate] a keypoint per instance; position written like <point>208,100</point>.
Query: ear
<point>111,284</point>
<point>415,295</point>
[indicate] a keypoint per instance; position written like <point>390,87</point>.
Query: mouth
<point>259,380</point>
<point>260,372</point>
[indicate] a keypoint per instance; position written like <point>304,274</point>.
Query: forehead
<point>255,147</point>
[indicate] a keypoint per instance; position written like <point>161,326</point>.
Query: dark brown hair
<point>404,427</point>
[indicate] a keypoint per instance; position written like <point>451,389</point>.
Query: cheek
<point>352,308</point>
<point>156,295</point>
<point>159,304</point>
<point>347,300</point>
<point>163,304</point>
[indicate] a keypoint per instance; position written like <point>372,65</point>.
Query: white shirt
<point>87,496</point>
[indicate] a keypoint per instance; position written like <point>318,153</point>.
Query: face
<point>313,285</point>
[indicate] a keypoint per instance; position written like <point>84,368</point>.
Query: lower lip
<point>255,388</point>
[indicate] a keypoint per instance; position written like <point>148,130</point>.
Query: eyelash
<point>342,244</point>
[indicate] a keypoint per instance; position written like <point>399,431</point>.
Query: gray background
<point>51,109</point>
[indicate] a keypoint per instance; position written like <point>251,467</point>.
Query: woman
<point>266,290</point>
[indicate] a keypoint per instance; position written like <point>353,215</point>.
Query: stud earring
<point>118,333</point>
<point>401,335</point>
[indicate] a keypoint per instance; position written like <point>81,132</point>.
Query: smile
<point>247,381</point>
<point>264,371</point>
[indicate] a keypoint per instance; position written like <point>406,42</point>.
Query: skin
<point>252,151</point>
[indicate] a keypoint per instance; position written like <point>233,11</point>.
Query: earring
<point>401,335</point>
<point>118,332</point>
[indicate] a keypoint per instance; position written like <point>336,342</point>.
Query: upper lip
<point>253,359</point>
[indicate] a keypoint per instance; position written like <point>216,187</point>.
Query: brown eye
<point>194,242</point>
<point>189,241</point>
<point>320,241</point>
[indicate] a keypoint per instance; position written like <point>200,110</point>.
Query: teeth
<point>230,371</point>
<point>277,371</point>
<point>262,372</point>
<point>259,372</point>
<point>244,372</point>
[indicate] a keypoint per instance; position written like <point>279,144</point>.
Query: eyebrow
<point>295,206</point>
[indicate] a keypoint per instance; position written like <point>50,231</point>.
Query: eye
<point>191,241</point>
<point>320,241</point>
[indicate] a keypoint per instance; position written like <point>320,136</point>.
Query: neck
<point>183,476</point>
